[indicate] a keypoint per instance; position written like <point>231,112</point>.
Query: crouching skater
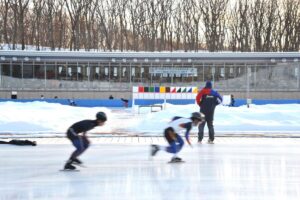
<point>174,139</point>
<point>77,134</point>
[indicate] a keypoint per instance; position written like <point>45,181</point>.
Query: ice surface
<point>231,169</point>
<point>42,117</point>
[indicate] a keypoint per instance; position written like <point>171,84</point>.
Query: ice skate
<point>69,167</point>
<point>176,160</point>
<point>154,149</point>
<point>210,142</point>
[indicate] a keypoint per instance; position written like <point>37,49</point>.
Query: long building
<point>260,75</point>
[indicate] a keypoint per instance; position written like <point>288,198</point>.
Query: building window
<point>60,69</point>
<point>88,71</point>
<point>115,71</point>
<point>97,72</point>
<point>213,70</point>
<point>222,74</point>
<point>124,71</point>
<point>142,71</point>
<point>69,71</point>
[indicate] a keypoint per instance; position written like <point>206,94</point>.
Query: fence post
<point>298,77</point>
<point>248,84</point>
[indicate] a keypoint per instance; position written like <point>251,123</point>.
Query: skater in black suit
<point>77,134</point>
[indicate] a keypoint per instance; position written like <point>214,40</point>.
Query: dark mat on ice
<point>20,142</point>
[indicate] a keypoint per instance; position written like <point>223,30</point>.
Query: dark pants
<point>175,141</point>
<point>211,131</point>
<point>81,143</point>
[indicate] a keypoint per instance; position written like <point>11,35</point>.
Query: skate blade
<point>170,162</point>
<point>69,170</point>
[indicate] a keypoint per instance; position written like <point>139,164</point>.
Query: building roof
<point>148,56</point>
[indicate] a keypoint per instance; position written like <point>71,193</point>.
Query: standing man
<point>208,99</point>
<point>171,134</point>
<point>77,134</point>
<point>232,101</point>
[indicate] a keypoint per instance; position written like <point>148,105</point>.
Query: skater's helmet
<point>101,116</point>
<point>197,115</point>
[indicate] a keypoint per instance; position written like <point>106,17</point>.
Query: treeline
<point>152,25</point>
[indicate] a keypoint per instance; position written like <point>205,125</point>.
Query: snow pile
<point>51,118</point>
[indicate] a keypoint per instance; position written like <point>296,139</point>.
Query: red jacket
<point>204,91</point>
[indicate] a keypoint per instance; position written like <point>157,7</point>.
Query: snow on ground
<point>51,118</point>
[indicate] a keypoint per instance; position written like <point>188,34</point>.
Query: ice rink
<point>120,168</point>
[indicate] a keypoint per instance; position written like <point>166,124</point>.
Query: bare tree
<point>258,16</point>
<point>164,10</point>
<point>152,25</point>
<point>271,19</point>
<point>178,27</point>
<point>49,13</point>
<point>15,27</point>
<point>75,10</point>
<point>20,8</point>
<point>278,32</point>
<point>38,6</point>
<point>107,16</point>
<point>137,11</point>
<point>196,15</point>
<point>122,35</point>
<point>239,26</point>
<point>60,24</point>
<point>5,10</point>
<point>89,21</point>
<point>152,17</point>
<point>214,21</point>
<point>190,22</point>
<point>291,20</point>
